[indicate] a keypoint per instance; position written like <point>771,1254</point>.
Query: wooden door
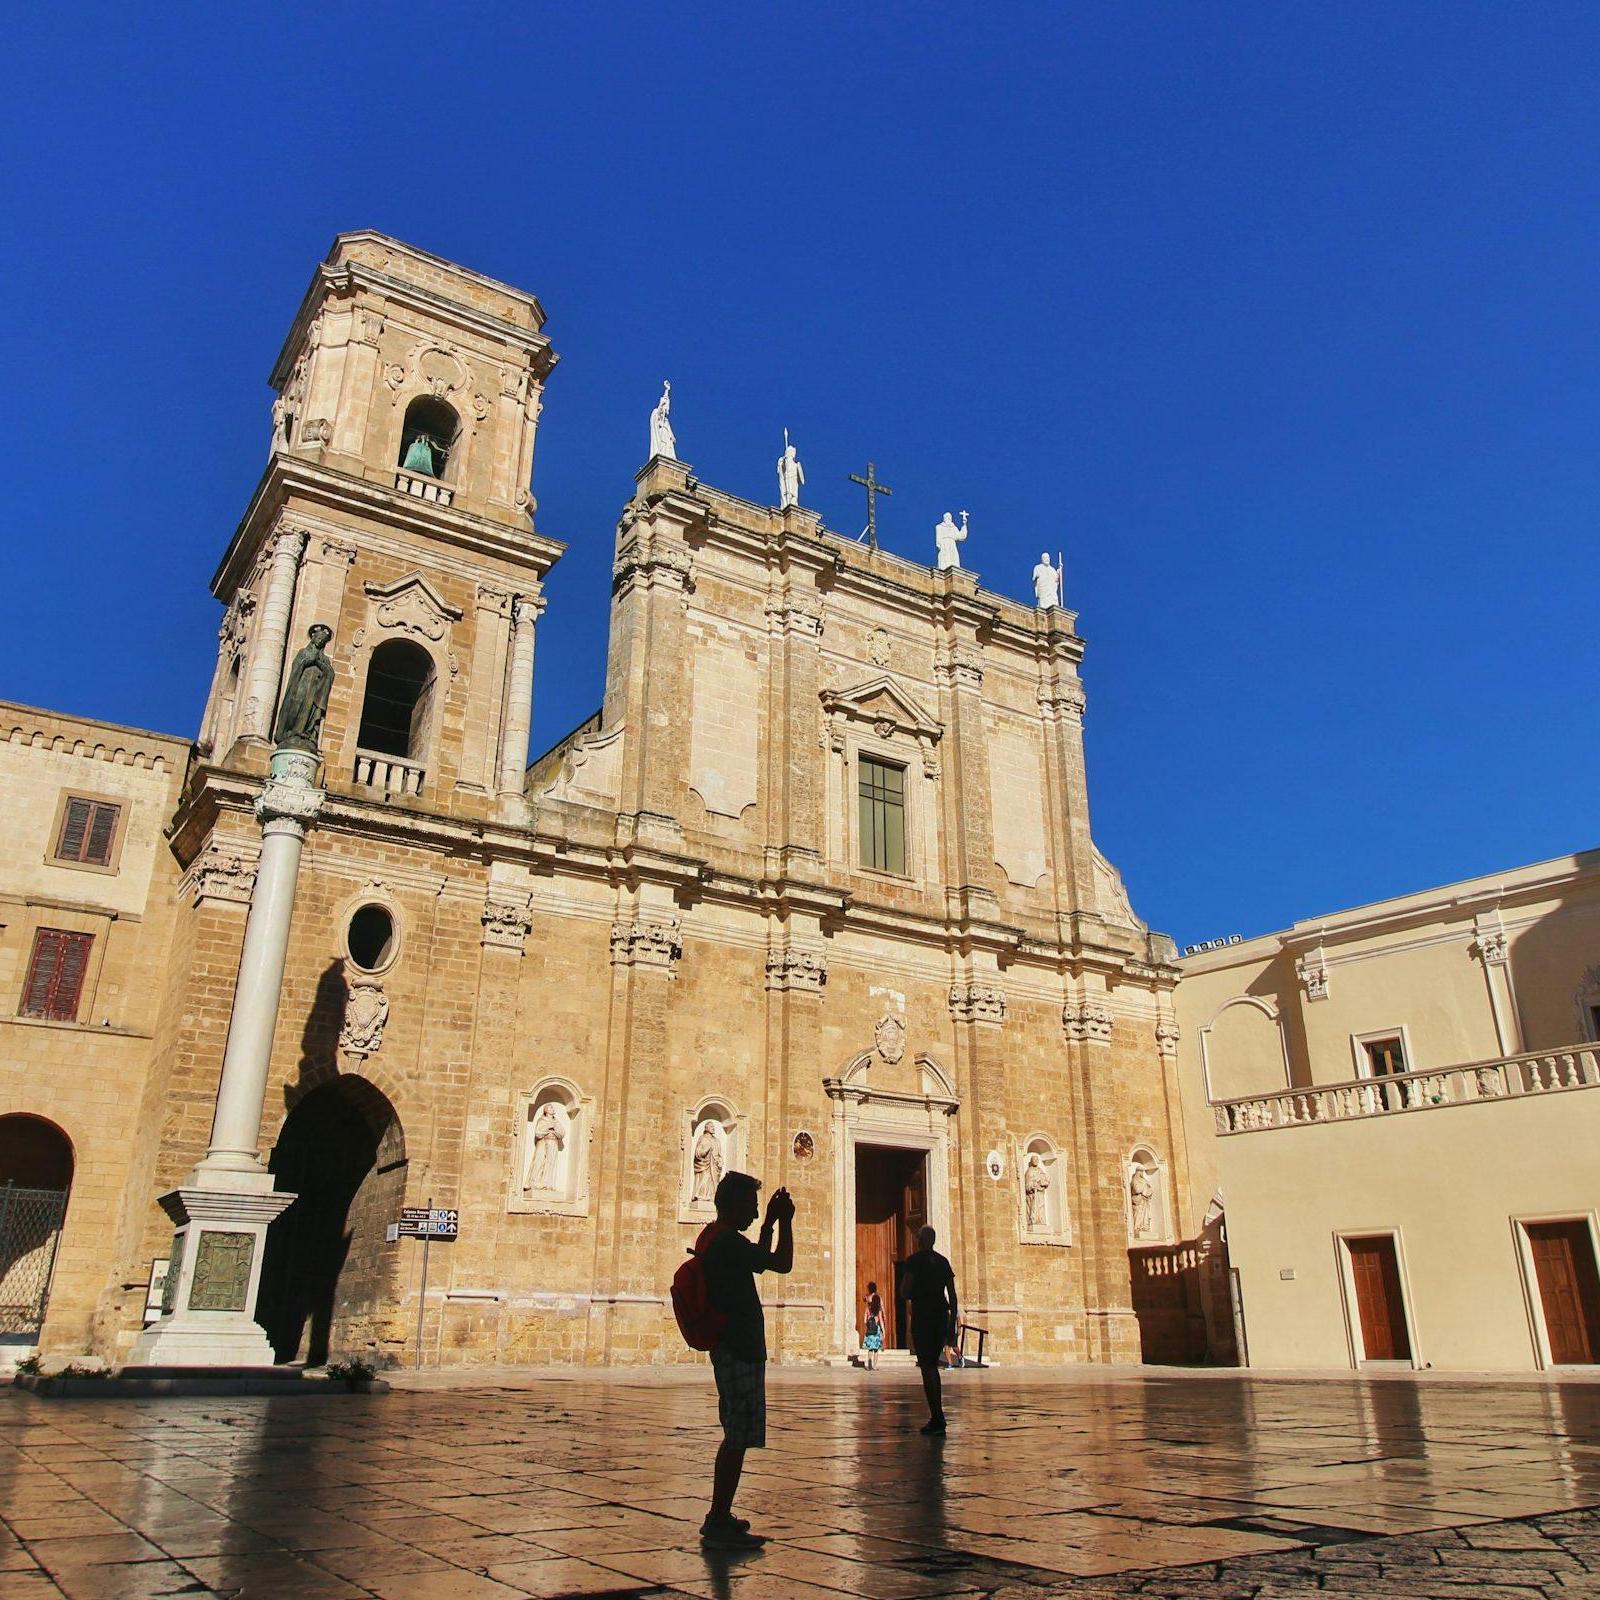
<point>891,1205</point>
<point>1380,1305</point>
<point>1569,1290</point>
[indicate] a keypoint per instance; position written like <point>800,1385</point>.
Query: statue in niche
<point>707,1163</point>
<point>1036,1193</point>
<point>305,700</point>
<point>1046,584</point>
<point>662,442</point>
<point>549,1135</point>
<point>948,538</point>
<point>790,475</point>
<point>1141,1192</point>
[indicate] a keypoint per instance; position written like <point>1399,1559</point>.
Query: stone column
<point>272,634</point>
<point>519,696</point>
<point>221,1215</point>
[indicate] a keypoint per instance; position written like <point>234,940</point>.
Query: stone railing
<point>1538,1072</point>
<point>394,777</point>
<point>422,487</point>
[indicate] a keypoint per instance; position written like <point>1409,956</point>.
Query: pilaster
<point>265,671</point>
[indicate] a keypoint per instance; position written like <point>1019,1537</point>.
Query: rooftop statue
<point>662,442</point>
<point>947,536</point>
<point>790,475</point>
<point>1046,584</point>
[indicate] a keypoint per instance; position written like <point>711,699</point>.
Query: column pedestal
<point>222,1213</point>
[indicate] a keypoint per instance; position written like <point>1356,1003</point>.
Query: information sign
<point>428,1222</point>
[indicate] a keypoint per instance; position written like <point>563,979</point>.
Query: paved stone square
<point>494,1486</point>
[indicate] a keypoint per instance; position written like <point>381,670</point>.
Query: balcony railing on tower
<point>1574,1066</point>
<point>391,776</point>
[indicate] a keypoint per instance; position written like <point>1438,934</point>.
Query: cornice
<point>286,476</point>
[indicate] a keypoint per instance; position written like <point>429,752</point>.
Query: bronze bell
<point>419,455</point>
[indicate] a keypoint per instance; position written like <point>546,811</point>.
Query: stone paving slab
<point>1087,1484</point>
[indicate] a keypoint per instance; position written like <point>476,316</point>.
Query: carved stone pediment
<point>413,606</point>
<point>881,701</point>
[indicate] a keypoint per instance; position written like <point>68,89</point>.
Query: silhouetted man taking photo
<point>739,1358</point>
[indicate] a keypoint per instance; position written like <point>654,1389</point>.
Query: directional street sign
<point>428,1222</point>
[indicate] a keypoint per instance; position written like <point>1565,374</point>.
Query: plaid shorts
<point>741,1399</point>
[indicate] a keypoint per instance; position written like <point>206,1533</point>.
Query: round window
<point>370,937</point>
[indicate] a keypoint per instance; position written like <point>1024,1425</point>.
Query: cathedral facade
<point>813,894</point>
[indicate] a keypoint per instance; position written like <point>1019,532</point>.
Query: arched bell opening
<point>398,704</point>
<point>36,1167</point>
<point>428,436</point>
<point>328,1278</point>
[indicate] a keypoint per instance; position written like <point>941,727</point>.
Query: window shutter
<point>55,975</point>
<point>41,973</point>
<point>69,977</point>
<point>102,830</point>
<point>73,828</point>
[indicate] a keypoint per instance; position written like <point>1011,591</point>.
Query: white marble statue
<point>549,1133</point>
<point>1141,1190</point>
<point>790,475</point>
<point>662,442</point>
<point>947,536</point>
<point>1036,1194</point>
<point>1046,584</point>
<point>707,1164</point>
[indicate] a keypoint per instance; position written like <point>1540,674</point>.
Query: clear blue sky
<point>1279,320</point>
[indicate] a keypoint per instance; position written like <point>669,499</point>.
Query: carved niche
<point>412,606</point>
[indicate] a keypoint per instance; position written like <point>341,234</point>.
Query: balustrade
<point>393,777</point>
<point>1536,1072</point>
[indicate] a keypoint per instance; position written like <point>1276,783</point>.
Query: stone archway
<point>36,1166</point>
<point>328,1275</point>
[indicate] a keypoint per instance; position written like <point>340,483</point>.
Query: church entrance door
<point>891,1205</point>
<point>327,1267</point>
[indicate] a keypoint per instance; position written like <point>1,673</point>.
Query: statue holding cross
<point>874,489</point>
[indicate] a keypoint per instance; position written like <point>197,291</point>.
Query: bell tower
<point>396,509</point>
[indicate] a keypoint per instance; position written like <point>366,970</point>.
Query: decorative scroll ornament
<point>1167,1036</point>
<point>977,1002</point>
<point>889,1035</point>
<point>506,922</point>
<point>366,1011</point>
<point>803,970</point>
<point>1087,1021</point>
<point>413,606</point>
<point>647,943</point>
<point>219,874</point>
<point>1313,973</point>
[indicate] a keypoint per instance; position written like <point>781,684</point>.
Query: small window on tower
<point>883,815</point>
<point>428,436</point>
<point>86,833</point>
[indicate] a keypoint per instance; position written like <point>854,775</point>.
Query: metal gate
<point>30,1230</point>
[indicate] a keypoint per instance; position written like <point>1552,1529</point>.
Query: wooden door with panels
<point>891,1207</point>
<point>1569,1290</point>
<point>1380,1304</point>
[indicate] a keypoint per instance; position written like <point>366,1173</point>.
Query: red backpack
<point>699,1321</point>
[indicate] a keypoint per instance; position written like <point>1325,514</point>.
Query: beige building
<point>1396,1109</point>
<point>813,893</point>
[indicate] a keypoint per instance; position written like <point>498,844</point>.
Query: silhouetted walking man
<point>928,1283</point>
<point>739,1358</point>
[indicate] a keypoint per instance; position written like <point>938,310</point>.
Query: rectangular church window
<point>55,975</point>
<point>88,831</point>
<point>883,815</point>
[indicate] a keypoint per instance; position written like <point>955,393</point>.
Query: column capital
<point>650,942</point>
<point>1087,1021</point>
<point>797,971</point>
<point>506,922</point>
<point>977,1002</point>
<point>290,798</point>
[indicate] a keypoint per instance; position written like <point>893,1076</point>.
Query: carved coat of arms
<point>890,1036</point>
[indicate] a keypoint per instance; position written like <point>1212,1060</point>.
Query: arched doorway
<point>36,1165</point>
<point>328,1275</point>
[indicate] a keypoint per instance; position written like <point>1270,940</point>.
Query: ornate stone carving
<point>961,667</point>
<point>1490,941</point>
<point>290,794</point>
<point>236,620</point>
<point>794,616</point>
<point>889,1035</point>
<point>977,1002</point>
<point>656,560</point>
<point>804,1147</point>
<point>367,328</point>
<point>335,554</point>
<point>879,647</point>
<point>441,370</point>
<point>366,1011</point>
<point>222,1263</point>
<point>480,406</point>
<point>1064,699</point>
<point>221,874</point>
<point>804,970</point>
<point>394,375</point>
<point>495,600</point>
<point>1167,1036</point>
<point>1087,1021</point>
<point>506,922</point>
<point>1313,974</point>
<point>316,430</point>
<point>413,606</point>
<point>647,943</point>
